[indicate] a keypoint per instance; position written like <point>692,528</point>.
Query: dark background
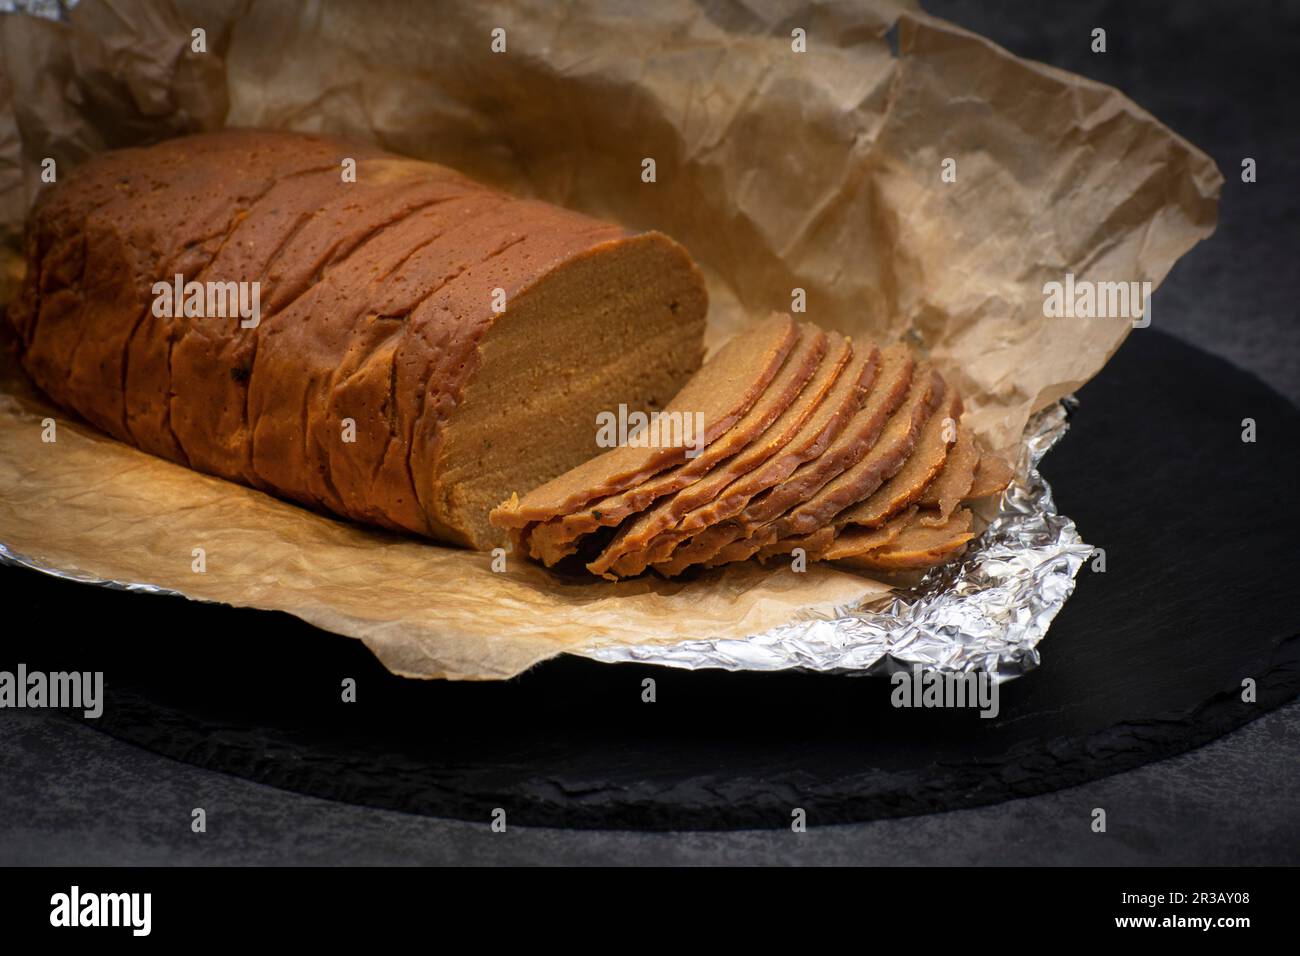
<point>1221,75</point>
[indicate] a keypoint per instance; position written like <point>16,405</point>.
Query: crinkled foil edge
<point>986,611</point>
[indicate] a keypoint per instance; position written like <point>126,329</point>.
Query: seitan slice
<point>855,540</point>
<point>992,475</point>
<point>922,435</point>
<point>812,544</point>
<point>637,533</point>
<point>917,546</point>
<point>917,474</point>
<point>896,388</point>
<point>724,388</point>
<point>741,549</point>
<point>553,540</point>
<point>684,549</point>
<point>953,483</point>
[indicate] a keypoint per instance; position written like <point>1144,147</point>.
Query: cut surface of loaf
<point>424,347</point>
<point>865,465</point>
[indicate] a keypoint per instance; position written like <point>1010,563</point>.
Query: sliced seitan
<point>911,399</point>
<point>886,456</point>
<point>741,549</point>
<point>916,475</point>
<point>821,426</point>
<point>724,388</point>
<point>836,379</point>
<point>953,483</point>
<point>917,546</point>
<point>894,387</point>
<point>674,551</point>
<point>896,447</point>
<point>553,540</point>
<point>869,372</point>
<point>636,534</point>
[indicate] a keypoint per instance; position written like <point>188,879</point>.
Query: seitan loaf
<point>431,355</point>
<point>426,345</point>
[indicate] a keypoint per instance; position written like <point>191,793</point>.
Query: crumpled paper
<point>779,170</point>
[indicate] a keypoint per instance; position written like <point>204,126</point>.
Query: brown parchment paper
<point>779,170</point>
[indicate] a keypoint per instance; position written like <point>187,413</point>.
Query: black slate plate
<point>1146,660</point>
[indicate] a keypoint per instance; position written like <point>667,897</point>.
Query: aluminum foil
<point>986,611</point>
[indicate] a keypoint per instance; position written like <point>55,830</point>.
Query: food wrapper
<point>892,174</point>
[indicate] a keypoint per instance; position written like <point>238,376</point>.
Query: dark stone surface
<point>1221,75</point>
<point>73,796</point>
